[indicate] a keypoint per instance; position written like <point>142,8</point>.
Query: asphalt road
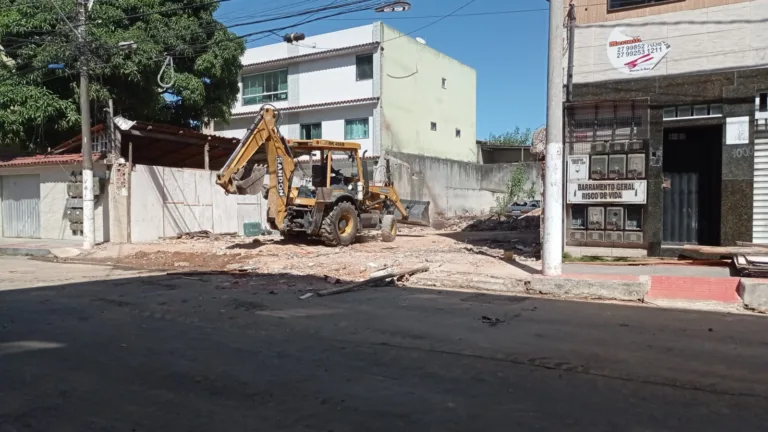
<point>165,353</point>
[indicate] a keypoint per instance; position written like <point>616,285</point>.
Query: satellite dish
<point>421,41</point>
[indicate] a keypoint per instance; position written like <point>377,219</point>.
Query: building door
<point>692,165</point>
<point>21,206</point>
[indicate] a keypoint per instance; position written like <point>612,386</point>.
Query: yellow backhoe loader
<point>328,203</point>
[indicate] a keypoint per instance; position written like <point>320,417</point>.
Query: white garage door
<point>21,206</point>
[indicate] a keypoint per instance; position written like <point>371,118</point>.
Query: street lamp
<point>398,6</point>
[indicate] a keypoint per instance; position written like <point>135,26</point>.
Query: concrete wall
<point>313,44</point>
<point>53,200</point>
<point>413,97</point>
<point>455,187</point>
<point>169,201</point>
<point>332,120</point>
<point>705,38</point>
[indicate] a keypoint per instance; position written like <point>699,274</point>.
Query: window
<point>445,83</point>
<point>688,111</point>
<point>763,105</point>
<point>621,4</point>
<point>356,129</point>
<point>433,126</point>
<point>458,133</point>
<point>364,67</point>
<point>265,87</point>
<point>311,131</point>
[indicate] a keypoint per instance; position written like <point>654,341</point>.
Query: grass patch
<point>591,259</point>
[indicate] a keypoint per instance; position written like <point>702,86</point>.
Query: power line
<point>452,16</point>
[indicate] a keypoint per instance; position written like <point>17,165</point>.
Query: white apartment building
<point>369,84</point>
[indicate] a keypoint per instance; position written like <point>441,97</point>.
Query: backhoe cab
<point>317,188</point>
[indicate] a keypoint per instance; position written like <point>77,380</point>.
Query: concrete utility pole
<point>89,229</point>
<point>552,248</point>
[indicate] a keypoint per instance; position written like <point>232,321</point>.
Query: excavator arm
<point>262,150</point>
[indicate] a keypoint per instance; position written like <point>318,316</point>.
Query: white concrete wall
<point>413,96</point>
<point>456,187</point>
<point>312,44</point>
<point>332,120</point>
<point>331,79</point>
<point>170,201</point>
<point>707,39</point>
<point>53,200</point>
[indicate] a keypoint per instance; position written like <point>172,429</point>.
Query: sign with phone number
<point>631,55</point>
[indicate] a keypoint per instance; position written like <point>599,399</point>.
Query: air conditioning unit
<point>633,237</point>
<point>595,236</point>
<point>635,146</point>
<point>599,147</point>
<point>598,167</point>
<point>614,236</point>
<point>636,166</point>
<point>617,147</point>
<point>596,218</point>
<point>578,236</point>
<point>614,218</point>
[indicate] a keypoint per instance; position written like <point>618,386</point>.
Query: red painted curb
<point>722,289</point>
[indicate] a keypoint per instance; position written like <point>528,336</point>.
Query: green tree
<point>519,187</point>
<point>515,137</point>
<point>39,106</point>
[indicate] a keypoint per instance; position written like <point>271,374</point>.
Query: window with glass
<point>356,129</point>
<point>265,87</point>
<point>311,131</point>
<point>364,67</point>
<point>621,4</point>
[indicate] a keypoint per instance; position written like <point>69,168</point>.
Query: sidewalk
<point>679,285</point>
<point>39,247</point>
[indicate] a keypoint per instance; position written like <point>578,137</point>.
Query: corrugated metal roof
<point>319,54</point>
<point>59,159</point>
<point>313,106</point>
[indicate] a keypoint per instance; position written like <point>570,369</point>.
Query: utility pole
<point>89,230</point>
<point>552,250</point>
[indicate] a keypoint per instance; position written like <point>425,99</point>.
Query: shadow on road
<point>219,352</point>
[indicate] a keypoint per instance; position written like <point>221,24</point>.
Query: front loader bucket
<point>250,180</point>
<point>418,213</point>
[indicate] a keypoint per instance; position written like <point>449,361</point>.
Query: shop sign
<point>631,55</point>
<point>618,191</point>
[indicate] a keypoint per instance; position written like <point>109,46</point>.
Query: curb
<point>754,294</point>
<point>35,252</point>
<point>625,289</point>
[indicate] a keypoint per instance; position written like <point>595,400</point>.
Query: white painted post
<point>552,247</point>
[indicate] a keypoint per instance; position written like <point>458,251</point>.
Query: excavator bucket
<point>418,213</point>
<point>250,180</point>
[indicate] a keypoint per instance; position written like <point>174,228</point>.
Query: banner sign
<point>617,191</point>
<point>631,55</point>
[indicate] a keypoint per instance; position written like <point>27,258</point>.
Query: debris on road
<point>491,321</point>
<point>306,296</point>
<point>356,285</point>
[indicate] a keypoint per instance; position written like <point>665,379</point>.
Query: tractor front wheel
<point>340,227</point>
<point>388,228</point>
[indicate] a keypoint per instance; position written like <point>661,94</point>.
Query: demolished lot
<point>466,252</point>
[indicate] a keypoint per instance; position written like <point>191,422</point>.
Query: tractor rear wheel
<point>340,227</point>
<point>388,228</point>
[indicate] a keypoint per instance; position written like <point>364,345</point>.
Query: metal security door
<point>680,213</point>
<point>21,206</point>
<point>760,204</point>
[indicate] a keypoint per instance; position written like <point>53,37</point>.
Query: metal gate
<point>760,203</point>
<point>681,208</point>
<point>21,206</point>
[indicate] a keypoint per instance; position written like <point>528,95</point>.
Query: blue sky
<point>508,50</point>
